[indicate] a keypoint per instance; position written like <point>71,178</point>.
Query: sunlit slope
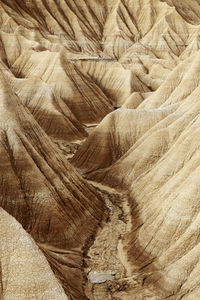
<point>22,261</point>
<point>160,171</point>
<point>44,193</point>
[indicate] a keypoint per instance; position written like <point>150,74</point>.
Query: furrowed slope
<point>114,137</point>
<point>160,171</point>
<point>22,261</point>
<point>44,193</point>
<point>50,111</point>
<point>84,98</point>
<point>189,10</point>
<point>79,24</point>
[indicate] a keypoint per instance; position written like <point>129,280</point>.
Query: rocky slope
<point>99,143</point>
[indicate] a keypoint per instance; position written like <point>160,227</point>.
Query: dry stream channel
<point>105,265</point>
<point>104,270</point>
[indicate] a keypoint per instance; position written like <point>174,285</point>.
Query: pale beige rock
<point>131,69</point>
<point>25,273</point>
<point>43,192</point>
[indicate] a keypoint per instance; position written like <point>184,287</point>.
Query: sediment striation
<point>99,130</point>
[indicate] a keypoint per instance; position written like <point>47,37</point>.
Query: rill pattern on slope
<point>65,66</point>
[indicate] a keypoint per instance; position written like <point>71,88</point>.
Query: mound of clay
<point>114,137</point>
<point>22,261</point>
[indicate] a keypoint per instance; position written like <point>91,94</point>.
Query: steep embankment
<point>22,261</point>
<point>160,170</point>
<point>44,193</point>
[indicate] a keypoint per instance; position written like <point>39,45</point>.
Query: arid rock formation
<point>99,149</point>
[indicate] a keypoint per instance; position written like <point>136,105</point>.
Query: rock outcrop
<point>25,272</point>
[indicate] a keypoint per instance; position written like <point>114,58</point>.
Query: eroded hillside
<point>100,149</point>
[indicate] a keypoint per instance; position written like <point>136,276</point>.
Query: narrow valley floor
<point>107,278</point>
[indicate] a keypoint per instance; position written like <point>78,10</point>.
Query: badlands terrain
<point>99,149</point>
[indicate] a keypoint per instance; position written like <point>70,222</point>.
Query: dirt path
<point>107,271</point>
<point>104,269</point>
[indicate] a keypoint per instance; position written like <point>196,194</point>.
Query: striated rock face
<point>43,192</point>
<point>25,272</point>
<point>99,106</point>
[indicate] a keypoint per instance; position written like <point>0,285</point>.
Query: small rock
<point>100,277</point>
